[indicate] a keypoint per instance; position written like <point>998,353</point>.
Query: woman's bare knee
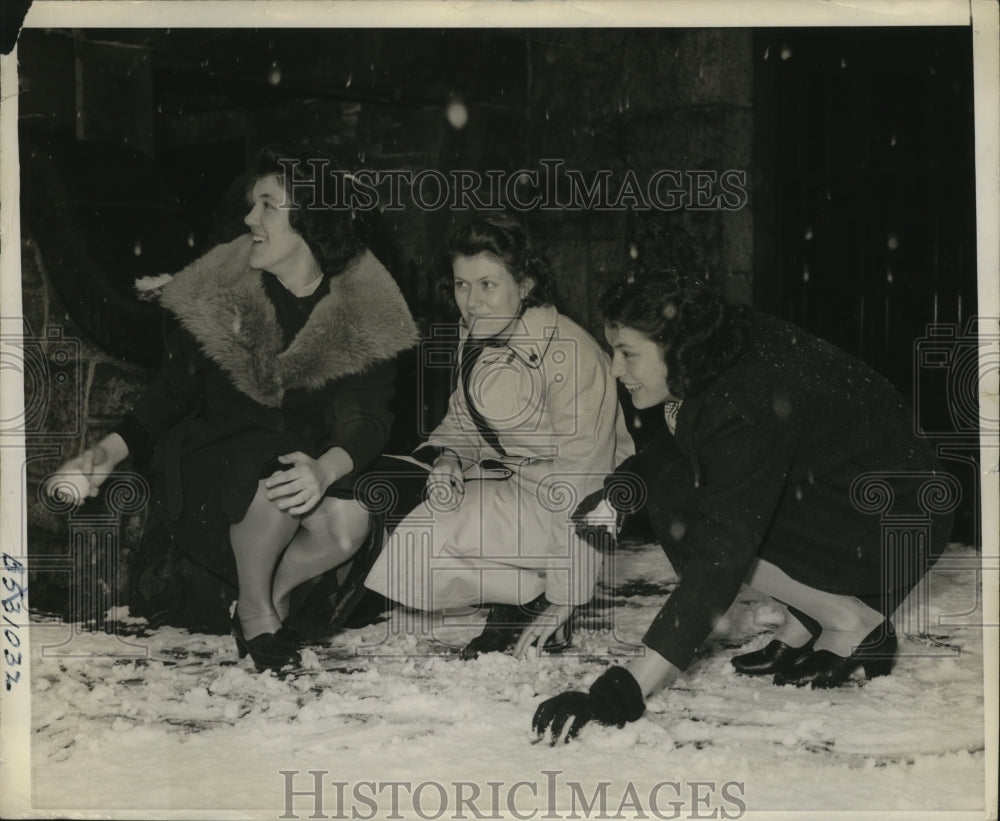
<point>262,509</point>
<point>337,527</point>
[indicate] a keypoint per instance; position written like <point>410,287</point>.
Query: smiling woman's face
<point>637,362</point>
<point>277,247</point>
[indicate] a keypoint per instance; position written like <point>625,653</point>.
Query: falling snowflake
<point>457,114</point>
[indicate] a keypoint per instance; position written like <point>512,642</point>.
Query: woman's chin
<point>642,401</point>
<point>486,327</point>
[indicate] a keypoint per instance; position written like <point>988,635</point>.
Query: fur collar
<point>220,300</point>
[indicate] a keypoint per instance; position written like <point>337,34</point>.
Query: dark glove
<point>586,506</point>
<point>558,710</point>
<point>625,492</point>
<point>614,699</point>
<point>597,536</point>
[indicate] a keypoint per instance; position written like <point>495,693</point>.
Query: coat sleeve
<point>713,518</point>
<point>362,419</point>
<point>176,391</point>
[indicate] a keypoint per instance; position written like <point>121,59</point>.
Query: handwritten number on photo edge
<point>8,607</point>
<point>12,603</point>
<point>12,565</point>
<point>7,582</point>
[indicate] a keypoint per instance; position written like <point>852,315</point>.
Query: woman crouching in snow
<point>759,477</point>
<point>273,398</point>
<point>533,425</point>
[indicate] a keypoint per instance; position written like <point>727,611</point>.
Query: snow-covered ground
<point>186,726</point>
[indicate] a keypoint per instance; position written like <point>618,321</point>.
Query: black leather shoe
<point>774,658</point>
<point>290,636</point>
<point>505,623</point>
<point>269,651</point>
<point>824,669</point>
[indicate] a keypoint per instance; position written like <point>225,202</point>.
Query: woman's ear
<point>526,286</point>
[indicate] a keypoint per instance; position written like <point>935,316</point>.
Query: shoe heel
<point>883,654</point>
<point>236,631</point>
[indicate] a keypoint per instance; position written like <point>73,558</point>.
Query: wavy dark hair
<point>328,230</point>
<point>699,333</point>
<point>502,236</point>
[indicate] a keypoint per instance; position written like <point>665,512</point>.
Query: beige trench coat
<point>549,395</point>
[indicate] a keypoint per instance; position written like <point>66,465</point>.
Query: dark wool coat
<point>762,463</point>
<point>233,395</point>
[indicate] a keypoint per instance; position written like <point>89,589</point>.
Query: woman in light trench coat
<point>532,426</point>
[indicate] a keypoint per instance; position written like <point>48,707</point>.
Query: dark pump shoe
<point>290,636</point>
<point>269,651</point>
<point>823,669</point>
<point>505,623</point>
<point>774,658</point>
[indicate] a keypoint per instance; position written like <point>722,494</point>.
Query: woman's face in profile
<point>637,362</point>
<point>277,247</point>
<point>486,293</point>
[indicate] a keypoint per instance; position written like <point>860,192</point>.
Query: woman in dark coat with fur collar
<point>780,455</point>
<point>273,398</point>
